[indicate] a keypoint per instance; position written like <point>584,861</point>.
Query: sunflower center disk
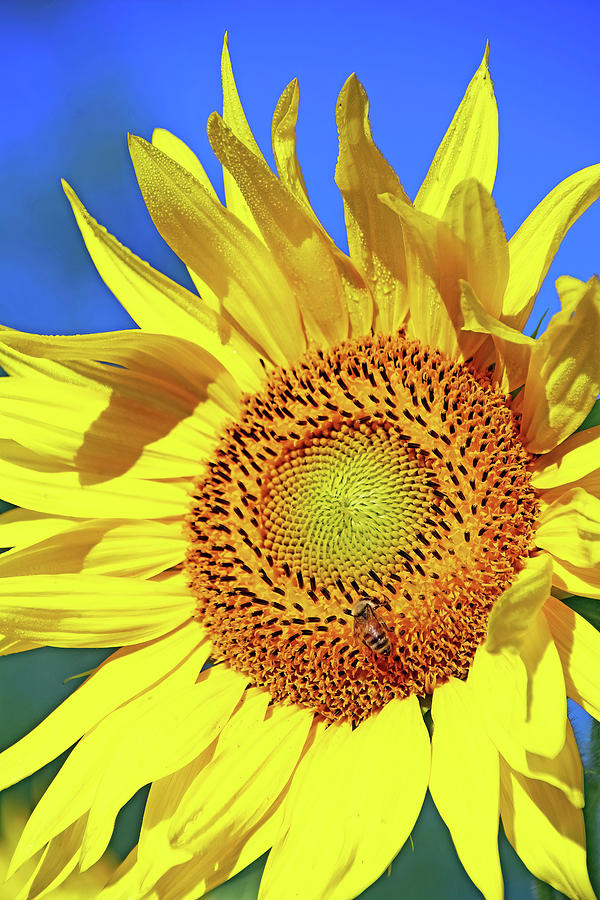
<point>357,524</point>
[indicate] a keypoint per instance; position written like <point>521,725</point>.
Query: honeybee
<point>369,629</point>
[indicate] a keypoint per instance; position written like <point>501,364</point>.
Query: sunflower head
<point>349,479</point>
<point>382,472</point>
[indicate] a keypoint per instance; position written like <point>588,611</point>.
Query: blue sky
<point>79,75</point>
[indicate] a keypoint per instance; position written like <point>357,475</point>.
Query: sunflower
<point>321,511</point>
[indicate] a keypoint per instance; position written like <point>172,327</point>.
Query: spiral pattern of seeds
<point>375,470</point>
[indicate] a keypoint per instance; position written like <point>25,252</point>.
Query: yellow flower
<point>386,482</point>
<point>71,885</point>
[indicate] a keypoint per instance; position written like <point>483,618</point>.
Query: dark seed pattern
<point>376,470</point>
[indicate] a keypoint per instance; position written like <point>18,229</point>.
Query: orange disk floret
<point>376,471</point>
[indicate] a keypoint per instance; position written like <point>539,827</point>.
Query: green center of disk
<point>341,504</point>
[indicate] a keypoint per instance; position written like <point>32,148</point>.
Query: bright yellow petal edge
<point>108,438</point>
<point>60,876</point>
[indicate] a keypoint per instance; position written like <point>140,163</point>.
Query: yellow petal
<point>29,483</point>
<point>547,832</point>
<point>181,153</point>
<point>123,882</point>
<point>570,528</point>
<point>575,580</point>
<point>188,717</point>
<point>500,682</point>
<point>563,771</point>
<point>523,694</point>
<point>172,377</point>
<point>578,645</point>
<point>23,527</point>
<point>471,248</point>
<point>90,610</point>
<point>283,134</point>
<point>534,245</point>
<point>589,483</point>
<point>187,880</point>
<point>15,362</point>
<point>543,731</point>
<point>156,853</point>
<point>464,784</point>
<point>338,816</point>
<point>160,305</point>
<point>575,458</point>
<point>119,678</point>
<point>513,349</point>
<point>563,379</point>
<point>104,431</point>
<point>253,773</point>
<point>75,789</point>
<point>139,549</point>
<point>375,237</point>
<point>233,114</point>
<point>430,321</point>
<point>357,296</point>
<point>229,258</point>
<point>515,610</point>
<point>183,373</point>
<point>234,794</point>
<point>569,290</point>
<point>306,257</point>
<point>57,862</point>
<point>469,147</point>
<point>9,645</point>
<point>482,259</point>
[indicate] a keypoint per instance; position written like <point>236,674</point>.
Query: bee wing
<point>371,620</point>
